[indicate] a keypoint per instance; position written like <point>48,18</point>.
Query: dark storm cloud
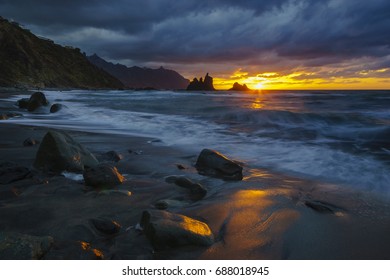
<point>304,32</point>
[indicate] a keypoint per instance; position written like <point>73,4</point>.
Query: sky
<point>278,44</point>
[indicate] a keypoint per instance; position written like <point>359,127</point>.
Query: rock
<point>168,203</point>
<point>56,107</point>
<point>161,205</point>
<point>6,116</point>
<point>23,103</point>
<point>59,152</point>
<point>113,156</point>
<point>197,191</point>
<point>180,166</point>
<point>11,172</point>
<point>166,229</point>
<point>102,175</point>
<point>30,142</point>
<point>15,246</point>
<point>106,226</point>
<point>239,87</point>
<point>212,163</point>
<point>323,207</point>
<point>207,84</point>
<point>37,99</point>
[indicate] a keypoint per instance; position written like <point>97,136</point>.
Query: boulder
<point>23,103</point>
<point>165,229</point>
<point>102,175</point>
<point>11,172</point>
<point>197,191</point>
<point>56,107</point>
<point>212,163</point>
<point>37,99</point>
<point>15,246</point>
<point>59,152</point>
<point>30,142</point>
<point>106,226</point>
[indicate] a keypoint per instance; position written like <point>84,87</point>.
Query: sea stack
<point>206,84</point>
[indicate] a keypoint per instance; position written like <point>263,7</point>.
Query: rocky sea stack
<point>239,87</point>
<point>206,84</point>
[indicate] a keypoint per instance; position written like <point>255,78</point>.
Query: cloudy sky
<point>271,44</point>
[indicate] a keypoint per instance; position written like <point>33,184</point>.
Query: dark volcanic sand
<point>265,216</point>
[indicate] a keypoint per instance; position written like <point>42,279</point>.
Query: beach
<point>269,214</point>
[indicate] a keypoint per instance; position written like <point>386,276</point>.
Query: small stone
<point>319,207</point>
<point>30,142</point>
<point>113,156</point>
<point>180,167</point>
<point>102,175</point>
<point>161,205</point>
<point>106,226</point>
<point>56,107</point>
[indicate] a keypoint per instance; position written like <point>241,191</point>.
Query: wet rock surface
<point>166,230</point>
<point>60,152</point>
<point>213,163</point>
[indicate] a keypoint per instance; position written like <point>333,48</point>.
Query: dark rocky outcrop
<point>29,61</point>
<point>12,172</point>
<point>197,191</point>
<point>239,87</point>
<point>166,230</point>
<point>102,175</point>
<point>59,152</point>
<point>212,163</point>
<point>37,99</point>
<point>206,84</point>
<point>15,246</point>
<point>56,107</point>
<point>142,78</point>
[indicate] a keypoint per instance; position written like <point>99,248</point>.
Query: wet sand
<point>265,216</point>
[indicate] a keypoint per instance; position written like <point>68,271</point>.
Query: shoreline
<point>265,216</point>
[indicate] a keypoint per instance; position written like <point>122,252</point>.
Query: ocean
<point>338,137</point>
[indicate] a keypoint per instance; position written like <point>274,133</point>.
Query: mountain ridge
<point>141,77</point>
<point>28,60</point>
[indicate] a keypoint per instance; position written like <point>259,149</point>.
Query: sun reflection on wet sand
<point>255,221</point>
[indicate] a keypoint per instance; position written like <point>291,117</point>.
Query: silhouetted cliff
<point>137,77</point>
<point>29,61</point>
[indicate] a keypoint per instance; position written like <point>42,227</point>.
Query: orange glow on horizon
<point>303,81</point>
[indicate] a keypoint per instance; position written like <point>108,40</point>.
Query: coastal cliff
<point>31,61</point>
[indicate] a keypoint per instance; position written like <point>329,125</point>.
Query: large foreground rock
<point>102,175</point>
<point>212,163</point>
<point>59,152</point>
<point>166,229</point>
<point>15,246</point>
